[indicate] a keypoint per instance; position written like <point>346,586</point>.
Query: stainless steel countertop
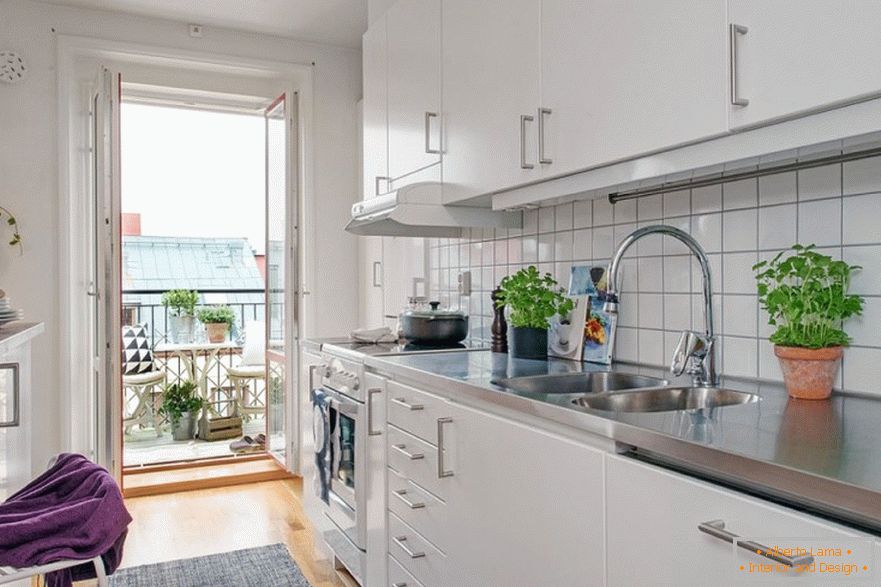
<point>825,456</point>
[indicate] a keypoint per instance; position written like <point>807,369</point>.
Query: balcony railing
<point>147,309</point>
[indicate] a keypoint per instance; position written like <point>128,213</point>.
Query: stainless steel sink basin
<point>665,399</point>
<point>562,383</point>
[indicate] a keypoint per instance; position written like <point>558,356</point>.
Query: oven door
<point>321,435</point>
<point>347,461</point>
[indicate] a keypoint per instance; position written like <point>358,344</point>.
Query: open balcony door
<point>281,280</point>
<point>104,274</point>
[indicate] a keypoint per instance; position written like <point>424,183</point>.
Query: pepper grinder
<point>500,325</point>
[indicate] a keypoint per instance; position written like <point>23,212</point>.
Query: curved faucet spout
<point>612,295</point>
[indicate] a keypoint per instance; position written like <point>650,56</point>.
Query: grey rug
<point>264,566</point>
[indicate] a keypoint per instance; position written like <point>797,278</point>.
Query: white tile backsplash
<point>737,223</point>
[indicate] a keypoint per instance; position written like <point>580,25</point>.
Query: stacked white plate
<point>8,313</point>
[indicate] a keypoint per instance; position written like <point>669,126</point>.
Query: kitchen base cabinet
<point>526,506</point>
<point>652,519</point>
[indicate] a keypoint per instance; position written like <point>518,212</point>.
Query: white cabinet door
<point>414,85</point>
<point>377,568</point>
<point>370,311</point>
<point>491,56</point>
<point>800,56</point>
<point>624,77</point>
<point>528,505</point>
<point>375,110</point>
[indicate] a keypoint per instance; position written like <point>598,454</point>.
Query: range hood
<point>416,210</point>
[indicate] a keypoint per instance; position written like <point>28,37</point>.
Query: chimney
<point>131,224</point>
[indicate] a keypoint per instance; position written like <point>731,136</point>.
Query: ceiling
<point>335,22</point>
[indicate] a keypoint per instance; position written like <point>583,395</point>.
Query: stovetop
<point>352,347</point>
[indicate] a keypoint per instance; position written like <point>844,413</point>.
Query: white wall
<point>376,8</point>
<point>29,169</point>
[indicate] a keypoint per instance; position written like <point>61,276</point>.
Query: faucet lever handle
<point>691,344</point>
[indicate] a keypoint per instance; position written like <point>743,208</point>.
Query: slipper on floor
<point>244,444</point>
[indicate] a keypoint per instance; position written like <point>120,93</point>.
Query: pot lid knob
<point>434,306</point>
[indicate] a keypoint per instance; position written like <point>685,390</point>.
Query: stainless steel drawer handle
<point>716,529</point>
<point>412,407</point>
<point>413,505</point>
<point>399,584</point>
<point>733,31</point>
<point>428,149</point>
<point>542,158</point>
<point>370,393</point>
<point>524,118</point>
<point>413,456</point>
<point>401,541</point>
<point>441,466</point>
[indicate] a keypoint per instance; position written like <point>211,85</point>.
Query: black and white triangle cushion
<point>137,357</point>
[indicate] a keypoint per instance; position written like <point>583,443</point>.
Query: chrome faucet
<point>696,352</point>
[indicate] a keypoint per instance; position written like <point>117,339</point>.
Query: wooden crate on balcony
<point>222,428</point>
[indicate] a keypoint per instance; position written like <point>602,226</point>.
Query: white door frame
<point>79,54</point>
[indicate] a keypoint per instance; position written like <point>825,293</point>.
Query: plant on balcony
<point>532,299</point>
<point>181,404</point>
<point>181,305</point>
<point>217,321</point>
<point>805,295</point>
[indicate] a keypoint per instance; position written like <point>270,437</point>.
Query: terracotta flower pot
<point>809,373</point>
<point>216,331</point>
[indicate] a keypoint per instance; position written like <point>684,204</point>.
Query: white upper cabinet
<point>375,110</point>
<point>491,62</point>
<point>625,77</point>
<point>414,85</point>
<point>793,57</point>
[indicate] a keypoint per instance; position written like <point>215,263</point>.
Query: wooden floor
<point>210,521</point>
<point>202,475</point>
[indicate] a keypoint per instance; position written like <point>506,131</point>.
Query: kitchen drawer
<point>419,508</point>
<point>414,459</point>
<point>415,411</point>
<point>398,575</point>
<point>416,554</point>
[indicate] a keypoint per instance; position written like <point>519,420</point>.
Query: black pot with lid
<point>433,325</point>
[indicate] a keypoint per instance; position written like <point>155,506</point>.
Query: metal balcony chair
<point>143,383</point>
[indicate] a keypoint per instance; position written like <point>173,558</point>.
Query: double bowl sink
<point>624,392</point>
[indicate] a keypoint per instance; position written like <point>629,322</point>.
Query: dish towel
<point>73,511</point>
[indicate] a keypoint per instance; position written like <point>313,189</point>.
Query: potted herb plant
<point>217,321</point>
<point>805,295</point>
<point>181,405</point>
<point>532,300</point>
<point>181,305</point>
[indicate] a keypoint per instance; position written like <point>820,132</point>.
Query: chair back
<point>254,352</point>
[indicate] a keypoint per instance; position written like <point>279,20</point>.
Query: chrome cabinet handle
<point>370,394</point>
<point>524,118</point>
<point>378,179</point>
<point>377,265</point>
<point>441,467</point>
<point>412,407</point>
<point>428,149</point>
<point>542,112</point>
<point>716,529</point>
<point>399,584</point>
<point>401,541</point>
<point>413,456</point>
<point>413,505</point>
<point>733,31</point>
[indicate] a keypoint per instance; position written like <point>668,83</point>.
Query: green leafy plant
<point>805,295</point>
<point>216,315</point>
<point>181,302</point>
<point>533,298</point>
<point>15,240</point>
<point>179,399</point>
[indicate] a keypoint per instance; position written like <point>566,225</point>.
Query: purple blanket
<point>72,511</point>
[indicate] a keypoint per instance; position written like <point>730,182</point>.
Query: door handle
<point>716,529</point>
<point>413,505</point>
<point>524,118</point>
<point>733,31</point>
<point>377,265</point>
<point>413,456</point>
<point>402,402</point>
<point>370,394</point>
<point>401,541</point>
<point>542,112</point>
<point>428,149</point>
<point>378,179</point>
<point>441,467</point>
